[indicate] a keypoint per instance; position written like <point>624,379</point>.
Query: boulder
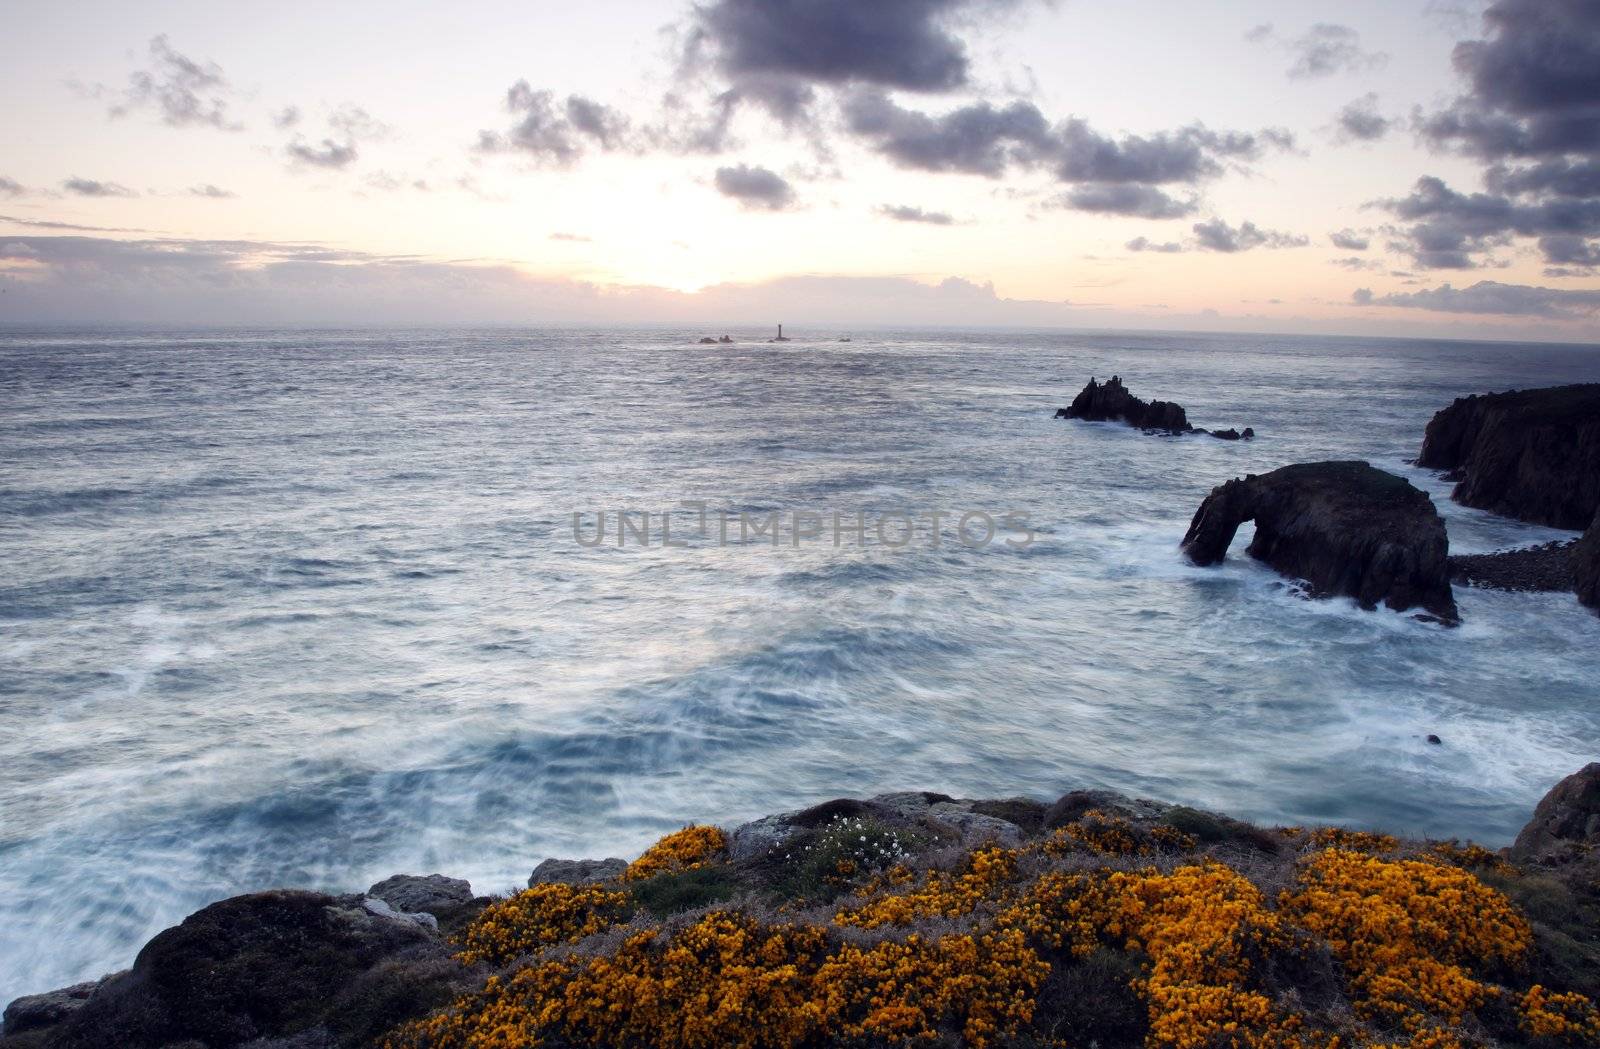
<point>1529,454</point>
<point>1586,565</point>
<point>1547,567</point>
<point>271,965</point>
<point>1111,402</point>
<point>422,893</point>
<point>1566,822</point>
<point>45,1010</point>
<point>1346,528</point>
<point>576,872</point>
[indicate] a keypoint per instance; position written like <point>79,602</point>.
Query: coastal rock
<point>1232,434</point>
<point>270,965</point>
<point>1345,528</point>
<point>1071,806</point>
<point>1566,821</point>
<point>1111,402</point>
<point>1529,454</point>
<point>421,919</point>
<point>423,893</point>
<point>576,872</point>
<point>45,1010</point>
<point>1586,565</point>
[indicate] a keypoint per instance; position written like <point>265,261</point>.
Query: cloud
<point>907,213</point>
<point>1326,49</point>
<point>327,154</point>
<point>45,224</point>
<point>1217,235</point>
<point>348,125</point>
<point>1531,114</point>
<point>197,281</point>
<point>211,192</point>
<point>755,188</point>
<point>1454,230</point>
<point>11,187</point>
<point>1360,121</point>
<point>1115,175</point>
<point>902,44</point>
<point>574,238</point>
<point>286,118</point>
<point>556,135</point>
<point>1356,262</point>
<point>88,187</point>
<point>182,91</point>
<point>1130,199</point>
<point>1349,240</point>
<point>1145,244</point>
<point>976,139</point>
<point>1492,297</point>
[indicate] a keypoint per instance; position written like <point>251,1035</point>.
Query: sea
<point>310,608</point>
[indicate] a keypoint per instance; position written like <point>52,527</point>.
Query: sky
<point>1425,168</point>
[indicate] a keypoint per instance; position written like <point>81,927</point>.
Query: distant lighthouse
<point>780,337</point>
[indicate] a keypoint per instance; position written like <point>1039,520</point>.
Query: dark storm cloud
<point>1187,155</point>
<point>1133,199</point>
<point>903,44</point>
<point>1349,240</point>
<point>184,92</point>
<point>908,213</point>
<point>1360,121</point>
<point>1492,297</point>
<point>1532,115</point>
<point>1217,235</point>
<point>556,134</point>
<point>211,192</point>
<point>89,187</point>
<point>755,188</point>
<point>1146,244</point>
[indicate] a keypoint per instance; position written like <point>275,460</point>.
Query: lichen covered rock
<point>1345,528</point>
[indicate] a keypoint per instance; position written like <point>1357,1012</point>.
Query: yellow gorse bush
<point>1408,933</point>
<point>1414,938</point>
<point>541,917</point>
<point>684,850</point>
<point>1568,1017</point>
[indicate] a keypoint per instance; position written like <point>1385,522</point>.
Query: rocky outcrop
<point>36,1011</point>
<point>1586,565</point>
<point>1345,528</point>
<point>273,965</point>
<point>576,872</point>
<point>432,894</point>
<point>1529,454</point>
<point>1566,823</point>
<point>1111,402</point>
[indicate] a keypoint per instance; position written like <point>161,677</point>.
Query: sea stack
<point>1529,454</point>
<point>1111,402</point>
<point>1346,528</point>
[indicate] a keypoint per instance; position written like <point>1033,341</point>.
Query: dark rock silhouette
<point>1111,402</point>
<point>708,341</point>
<point>724,339</point>
<point>1529,454</point>
<point>1586,565</point>
<point>1566,822</point>
<point>267,966</point>
<point>1345,528</point>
